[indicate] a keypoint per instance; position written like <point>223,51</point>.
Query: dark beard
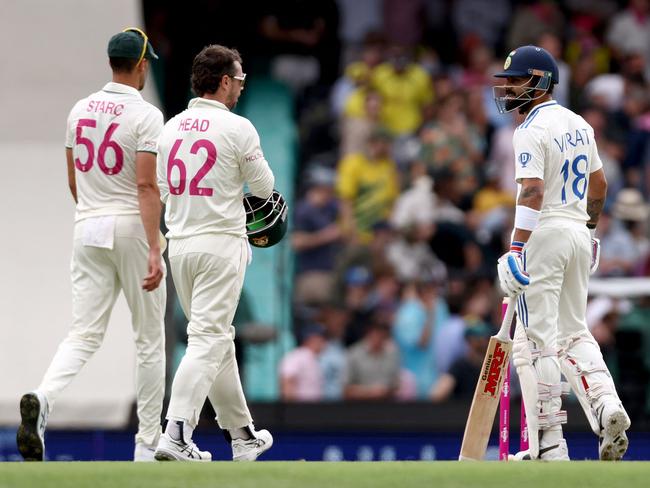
<point>511,104</point>
<point>525,107</point>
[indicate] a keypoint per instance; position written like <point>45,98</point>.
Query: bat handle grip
<point>504,330</point>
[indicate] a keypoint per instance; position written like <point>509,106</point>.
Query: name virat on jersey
<point>581,137</point>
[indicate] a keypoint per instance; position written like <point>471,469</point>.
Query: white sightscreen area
<point>53,53</point>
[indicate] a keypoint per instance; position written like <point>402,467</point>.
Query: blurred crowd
<point>407,192</point>
<point>405,189</point>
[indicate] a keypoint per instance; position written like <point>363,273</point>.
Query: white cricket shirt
<point>205,155</point>
<point>557,146</point>
<point>105,130</point>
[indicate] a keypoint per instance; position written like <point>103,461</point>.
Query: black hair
<point>122,65</point>
<point>210,66</point>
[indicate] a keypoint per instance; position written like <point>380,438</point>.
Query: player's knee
<point>521,355</point>
<point>150,356</point>
<point>91,341</point>
<point>150,343</point>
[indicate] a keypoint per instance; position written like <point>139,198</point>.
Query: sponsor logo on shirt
<point>149,145</point>
<point>524,158</point>
<point>254,157</point>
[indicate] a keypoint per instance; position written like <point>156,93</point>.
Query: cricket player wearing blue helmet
<point>536,68</point>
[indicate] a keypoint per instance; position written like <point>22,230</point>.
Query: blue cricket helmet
<point>530,61</point>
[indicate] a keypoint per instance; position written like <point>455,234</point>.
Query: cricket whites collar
<point>200,102</point>
<point>113,87</point>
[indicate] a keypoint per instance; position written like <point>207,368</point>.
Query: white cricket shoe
<point>30,437</point>
<point>250,450</point>
<point>613,441</point>
<point>170,450</point>
<point>556,452</point>
<point>143,453</point>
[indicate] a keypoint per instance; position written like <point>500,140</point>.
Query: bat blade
<point>486,395</point>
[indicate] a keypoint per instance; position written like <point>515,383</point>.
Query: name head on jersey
<point>132,43</point>
<point>531,72</point>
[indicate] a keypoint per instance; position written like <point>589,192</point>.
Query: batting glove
<point>512,277</point>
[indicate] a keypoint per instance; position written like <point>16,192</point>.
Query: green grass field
<point>327,475</point>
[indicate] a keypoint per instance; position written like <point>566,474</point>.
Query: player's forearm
<point>73,191</point>
<point>529,204</point>
<point>72,179</point>
<point>532,195</point>
<point>596,195</point>
<point>150,208</point>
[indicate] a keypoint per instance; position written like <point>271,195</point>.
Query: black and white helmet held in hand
<point>266,219</point>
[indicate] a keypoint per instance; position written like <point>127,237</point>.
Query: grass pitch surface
<point>298,474</point>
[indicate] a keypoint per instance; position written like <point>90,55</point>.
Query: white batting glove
<point>595,252</point>
<point>512,277</point>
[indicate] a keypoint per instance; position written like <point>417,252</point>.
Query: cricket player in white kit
<point>111,154</point>
<point>205,155</point>
<point>562,190</point>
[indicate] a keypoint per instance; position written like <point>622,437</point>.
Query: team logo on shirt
<point>524,158</point>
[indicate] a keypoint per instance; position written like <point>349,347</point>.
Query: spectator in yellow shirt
<point>406,89</point>
<point>368,184</point>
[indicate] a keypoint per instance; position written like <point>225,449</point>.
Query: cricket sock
<point>241,433</point>
<point>179,430</point>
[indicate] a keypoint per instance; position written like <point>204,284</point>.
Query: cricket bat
<point>488,390</point>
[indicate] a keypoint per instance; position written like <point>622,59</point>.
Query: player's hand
<point>595,254</point>
<point>512,277</point>
<point>155,275</point>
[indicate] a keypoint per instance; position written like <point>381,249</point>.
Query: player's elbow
<point>263,187</point>
<point>145,187</point>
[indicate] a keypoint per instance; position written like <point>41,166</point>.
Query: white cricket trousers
<point>208,272</point>
<point>98,274</point>
<point>557,257</point>
<point>552,318</point>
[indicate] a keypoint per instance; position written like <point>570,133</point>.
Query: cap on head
<point>528,61</point>
<point>132,43</point>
